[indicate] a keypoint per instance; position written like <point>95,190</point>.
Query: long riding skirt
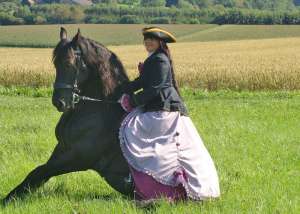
<point>167,157</point>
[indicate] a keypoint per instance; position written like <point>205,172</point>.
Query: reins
<point>77,98</point>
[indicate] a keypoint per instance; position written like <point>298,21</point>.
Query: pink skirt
<point>167,156</point>
<point>146,188</point>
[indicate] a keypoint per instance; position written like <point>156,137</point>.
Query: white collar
<point>150,53</point>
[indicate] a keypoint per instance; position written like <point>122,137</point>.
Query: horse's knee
<point>58,150</point>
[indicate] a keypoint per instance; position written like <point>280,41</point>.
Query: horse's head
<point>80,61</point>
<point>71,71</point>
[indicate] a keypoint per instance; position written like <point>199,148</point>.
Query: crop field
<point>269,64</point>
<point>120,34</point>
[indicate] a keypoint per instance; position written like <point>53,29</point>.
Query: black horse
<point>89,80</point>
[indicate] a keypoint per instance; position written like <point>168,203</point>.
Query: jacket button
<point>177,134</point>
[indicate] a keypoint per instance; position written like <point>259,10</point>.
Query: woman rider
<point>165,153</point>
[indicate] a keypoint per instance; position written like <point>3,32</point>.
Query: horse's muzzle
<point>60,104</point>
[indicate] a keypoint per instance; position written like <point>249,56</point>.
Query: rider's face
<point>151,44</point>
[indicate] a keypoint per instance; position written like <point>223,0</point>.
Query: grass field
<point>271,64</point>
<point>243,32</point>
<point>107,34</point>
<point>251,130</point>
<point>252,137</point>
<point>122,34</point>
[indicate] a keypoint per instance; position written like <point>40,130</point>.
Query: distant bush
<point>6,19</point>
<point>101,20</point>
<point>130,19</point>
<point>242,16</point>
<point>39,20</point>
<point>160,20</point>
<point>193,21</point>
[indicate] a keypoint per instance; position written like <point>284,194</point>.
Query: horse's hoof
<point>5,201</point>
<point>148,204</point>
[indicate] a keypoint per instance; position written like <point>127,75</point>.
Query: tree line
<point>13,12</point>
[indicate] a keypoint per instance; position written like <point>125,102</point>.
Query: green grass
<point>253,138</point>
<point>26,91</point>
<point>243,32</point>
<point>42,36</point>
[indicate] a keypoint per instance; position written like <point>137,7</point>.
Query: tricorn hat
<point>158,33</point>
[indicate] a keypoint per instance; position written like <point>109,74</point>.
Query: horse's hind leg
<point>114,168</point>
<point>57,165</point>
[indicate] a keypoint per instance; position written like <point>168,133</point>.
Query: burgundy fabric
<point>147,188</point>
<point>125,103</point>
<point>141,67</point>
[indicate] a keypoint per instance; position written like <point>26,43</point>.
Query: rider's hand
<point>140,67</point>
<point>125,102</point>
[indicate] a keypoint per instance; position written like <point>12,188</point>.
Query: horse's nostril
<point>61,104</point>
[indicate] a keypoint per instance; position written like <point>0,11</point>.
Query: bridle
<point>76,98</point>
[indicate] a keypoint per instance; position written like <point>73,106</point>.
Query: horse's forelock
<point>59,49</point>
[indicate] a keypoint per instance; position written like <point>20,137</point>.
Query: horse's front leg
<point>60,162</point>
<point>33,180</point>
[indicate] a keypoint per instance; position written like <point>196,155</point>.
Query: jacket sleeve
<point>132,86</point>
<point>159,73</point>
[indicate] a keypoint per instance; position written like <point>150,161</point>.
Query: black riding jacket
<point>158,92</point>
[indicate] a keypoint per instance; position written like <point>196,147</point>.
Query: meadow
<point>253,138</point>
<point>108,34</point>
<point>269,64</point>
<point>241,85</point>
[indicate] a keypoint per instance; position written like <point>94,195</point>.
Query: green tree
<point>22,12</point>
<point>201,3</point>
<point>110,2</point>
<point>184,4</point>
<point>76,14</point>
<point>153,3</point>
<point>170,3</point>
<point>8,8</point>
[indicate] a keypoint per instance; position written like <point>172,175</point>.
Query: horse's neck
<point>93,89</point>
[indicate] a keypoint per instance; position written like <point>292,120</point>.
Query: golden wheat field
<point>237,65</point>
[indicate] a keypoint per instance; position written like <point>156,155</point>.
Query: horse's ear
<point>76,37</point>
<point>63,33</point>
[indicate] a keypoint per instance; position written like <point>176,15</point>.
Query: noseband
<point>80,64</point>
